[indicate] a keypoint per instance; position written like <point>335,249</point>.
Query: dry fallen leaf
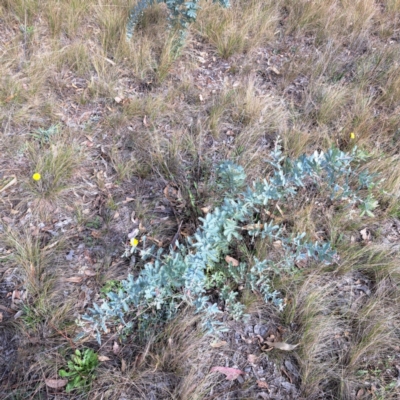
<point>360,394</point>
<point>274,70</point>
<point>97,234</point>
<point>262,384</point>
<point>1,317</point>
<point>123,365</point>
<point>16,295</point>
<point>216,345</point>
<point>365,234</point>
<point>252,359</point>
<point>231,373</point>
<point>301,263</point>
<point>115,348</point>
<point>138,360</point>
<point>252,227</point>
<point>282,345</point>
<point>260,338</point>
<point>90,272</point>
<point>128,200</point>
<point>56,383</point>
<point>103,358</point>
<point>231,260</point>
<point>247,340</point>
<point>73,279</point>
<point>118,99</point>
<point>171,193</point>
<point>206,210</point>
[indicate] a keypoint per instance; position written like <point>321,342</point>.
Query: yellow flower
<point>36,176</point>
<point>134,242</point>
<point>352,135</point>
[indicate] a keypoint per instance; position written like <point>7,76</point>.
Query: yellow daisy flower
<point>36,176</point>
<point>134,242</point>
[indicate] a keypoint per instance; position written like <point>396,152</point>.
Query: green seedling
<point>81,370</point>
<point>110,286</point>
<point>43,136</point>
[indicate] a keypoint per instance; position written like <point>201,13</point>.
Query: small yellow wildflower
<point>36,176</point>
<point>134,242</point>
<point>352,135</point>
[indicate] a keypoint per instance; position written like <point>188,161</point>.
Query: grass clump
<point>55,165</point>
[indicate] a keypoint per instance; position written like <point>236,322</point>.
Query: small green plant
<point>94,223</point>
<point>30,316</point>
<point>43,136</point>
<point>110,286</point>
<point>81,370</point>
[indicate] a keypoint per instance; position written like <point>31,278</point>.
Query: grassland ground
<point>125,136</point>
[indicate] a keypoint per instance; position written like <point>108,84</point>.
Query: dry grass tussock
<point>128,134</point>
<point>348,326</point>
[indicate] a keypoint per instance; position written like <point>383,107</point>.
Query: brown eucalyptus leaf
<point>97,234</point>
<point>231,373</point>
<point>252,359</point>
<point>282,345</point>
<point>56,383</point>
<point>73,279</point>
<point>360,394</point>
<point>231,260</point>
<point>123,365</point>
<point>262,384</point>
<point>219,344</point>
<point>274,70</point>
<point>365,234</point>
<point>116,348</point>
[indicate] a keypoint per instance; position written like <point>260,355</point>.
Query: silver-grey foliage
<point>182,276</point>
